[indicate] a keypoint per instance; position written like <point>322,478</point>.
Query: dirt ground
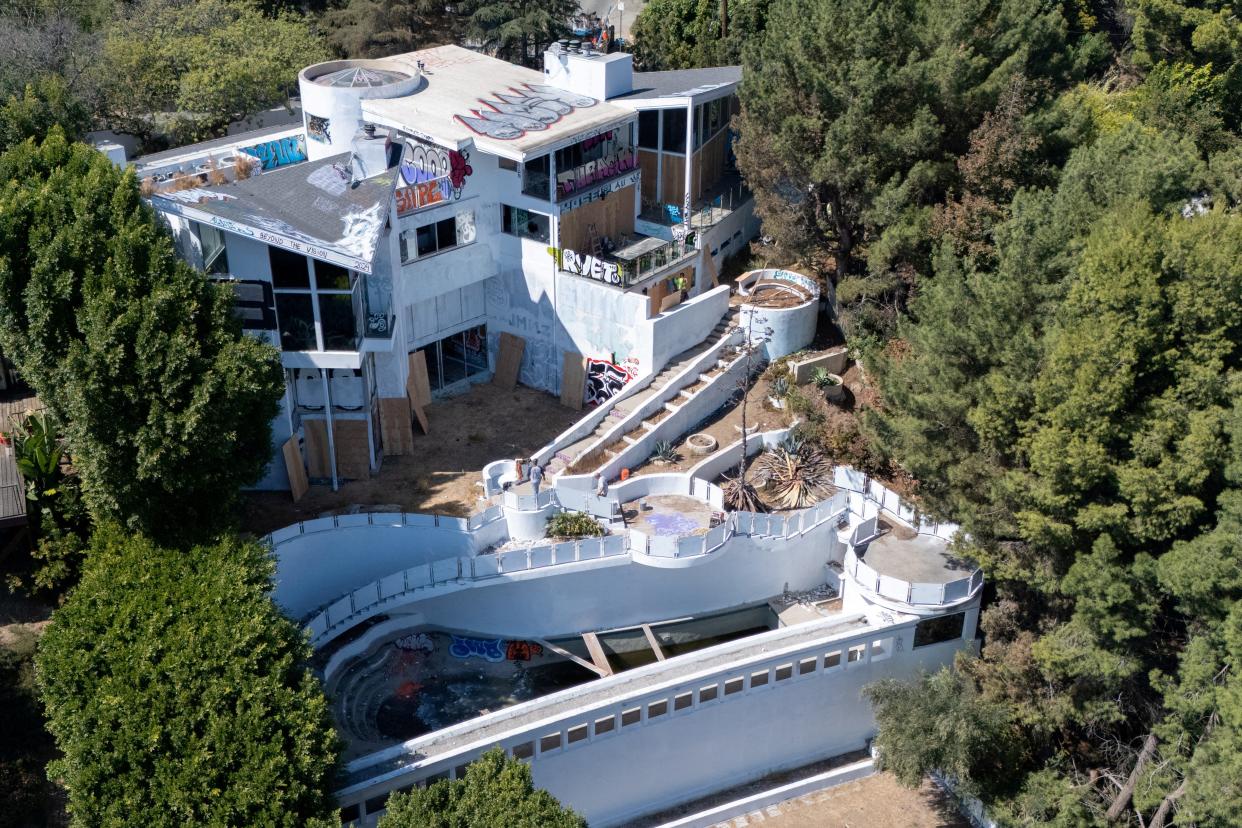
<point>467,433</point>
<point>873,802</point>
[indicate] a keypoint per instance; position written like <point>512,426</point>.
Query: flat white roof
<point>504,109</point>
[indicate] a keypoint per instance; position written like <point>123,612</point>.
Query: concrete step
<point>668,406</point>
<point>627,438</point>
<point>689,395</point>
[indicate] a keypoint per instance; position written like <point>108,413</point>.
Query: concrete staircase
<point>570,454</point>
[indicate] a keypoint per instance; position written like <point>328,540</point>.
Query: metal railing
<point>915,594</point>
<point>612,271</point>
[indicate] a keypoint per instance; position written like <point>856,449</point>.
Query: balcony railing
<point>708,212</point>
<point>629,264</point>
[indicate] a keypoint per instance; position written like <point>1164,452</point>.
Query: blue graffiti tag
<point>275,154</point>
<point>490,649</point>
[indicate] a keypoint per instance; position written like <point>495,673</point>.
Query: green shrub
<point>573,525</point>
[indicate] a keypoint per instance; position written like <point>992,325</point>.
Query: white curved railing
<point>417,520</point>
<point>511,499</point>
<point>915,594</point>
<point>392,589</point>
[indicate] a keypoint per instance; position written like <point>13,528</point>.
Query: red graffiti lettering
<point>523,650</point>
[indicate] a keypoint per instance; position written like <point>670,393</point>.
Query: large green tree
<point>378,28</point>
<point>164,403</point>
<point>518,30</point>
<point>188,68</point>
<point>687,34</point>
<point>495,791</point>
<point>853,112</point>
<point>178,693</point>
<point>1072,398</point>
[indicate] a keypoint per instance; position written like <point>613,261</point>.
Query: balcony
<point>715,206</point>
<point>630,262</point>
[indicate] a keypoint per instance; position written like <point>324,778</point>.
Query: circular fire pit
<point>701,443</point>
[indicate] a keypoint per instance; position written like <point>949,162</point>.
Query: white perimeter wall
<point>318,568</point>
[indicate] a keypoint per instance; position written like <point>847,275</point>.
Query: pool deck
<point>923,559</point>
<point>672,515</point>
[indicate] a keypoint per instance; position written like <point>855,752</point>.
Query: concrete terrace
<point>921,559</point>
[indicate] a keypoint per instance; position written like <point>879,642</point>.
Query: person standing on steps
<point>601,485</point>
<point>536,477</point>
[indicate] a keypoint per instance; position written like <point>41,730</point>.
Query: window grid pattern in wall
<point>815,661</point>
<point>319,306</point>
<point>437,236</point>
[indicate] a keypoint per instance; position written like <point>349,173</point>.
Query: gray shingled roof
<point>310,202</point>
<point>682,83</point>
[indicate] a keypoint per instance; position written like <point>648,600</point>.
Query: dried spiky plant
<point>796,479</point>
<point>740,496</point>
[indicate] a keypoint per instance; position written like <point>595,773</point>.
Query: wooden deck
<point>12,487</point>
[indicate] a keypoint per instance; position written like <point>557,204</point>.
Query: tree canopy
<point>178,694</point>
<point>495,791</point>
<point>164,403</point>
<point>518,30</point>
<point>189,69</point>
<point>687,34</point>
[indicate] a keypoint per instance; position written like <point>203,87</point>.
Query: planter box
<point>834,361</point>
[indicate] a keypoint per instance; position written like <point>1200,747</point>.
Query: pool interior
<point>426,679</point>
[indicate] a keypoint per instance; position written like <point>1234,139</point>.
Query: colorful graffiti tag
<point>280,153</point>
<point>488,649</point>
<point>432,175</point>
<point>605,379</point>
<point>523,650</point>
<point>317,129</point>
<point>609,166</point>
<point>536,107</point>
<point>591,267</point>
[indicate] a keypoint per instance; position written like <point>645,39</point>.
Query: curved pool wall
<point>791,329</point>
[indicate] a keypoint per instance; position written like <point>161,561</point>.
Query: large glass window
<point>649,129</point>
<point>332,276</point>
<point>528,225</point>
<point>939,629</point>
<point>336,315</point>
<point>297,322</point>
<point>288,269</point>
<point>536,178</point>
<point>674,130</point>
<point>457,357</point>
<point>215,256</point>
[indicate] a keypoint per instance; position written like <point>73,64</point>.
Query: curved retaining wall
<point>791,329</point>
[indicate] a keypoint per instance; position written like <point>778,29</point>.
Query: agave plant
<point>740,496</point>
<point>796,479</point>
<point>667,452</point>
<point>779,387</point>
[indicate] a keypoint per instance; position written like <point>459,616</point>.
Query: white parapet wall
<point>646,739</point>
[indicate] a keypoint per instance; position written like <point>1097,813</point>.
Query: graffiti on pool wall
<point>523,650</point>
<point>535,107</point>
<point>279,153</point>
<point>605,379</point>
<point>416,642</point>
<point>489,649</point>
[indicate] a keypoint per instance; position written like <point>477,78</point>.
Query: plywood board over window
<point>508,361</point>
<point>417,383</point>
<point>317,462</point>
<point>573,380</point>
<point>353,451</point>
<point>613,216</point>
<point>395,428</point>
<point>298,484</point>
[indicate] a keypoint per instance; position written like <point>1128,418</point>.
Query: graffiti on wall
<point>488,649</point>
<point>523,650</point>
<point>592,267</point>
<point>317,129</point>
<point>534,107</point>
<point>605,380</point>
<point>416,643</point>
<point>613,161</point>
<point>432,175</point>
<point>279,153</point>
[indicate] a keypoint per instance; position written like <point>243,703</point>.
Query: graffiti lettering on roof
<point>511,115</point>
